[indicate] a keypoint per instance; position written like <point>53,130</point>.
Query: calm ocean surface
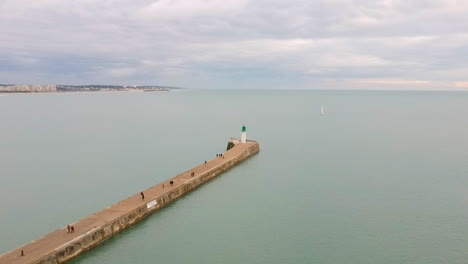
<point>382,177</point>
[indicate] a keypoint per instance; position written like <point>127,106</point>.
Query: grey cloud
<point>222,43</point>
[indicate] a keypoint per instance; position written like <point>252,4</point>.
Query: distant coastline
<point>33,88</point>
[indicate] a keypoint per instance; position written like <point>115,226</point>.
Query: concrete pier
<point>61,246</point>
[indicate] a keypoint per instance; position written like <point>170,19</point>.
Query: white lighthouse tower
<point>244,135</point>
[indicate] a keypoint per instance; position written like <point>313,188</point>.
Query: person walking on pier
<point>142,196</point>
<point>72,228</point>
<point>68,228</point>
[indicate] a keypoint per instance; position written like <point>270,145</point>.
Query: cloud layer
<point>295,44</point>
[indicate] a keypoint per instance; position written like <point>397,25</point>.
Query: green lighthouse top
<point>243,128</point>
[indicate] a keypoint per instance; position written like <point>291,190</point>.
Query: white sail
<point>322,112</point>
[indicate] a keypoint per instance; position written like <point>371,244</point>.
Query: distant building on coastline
<point>27,88</point>
<point>30,88</point>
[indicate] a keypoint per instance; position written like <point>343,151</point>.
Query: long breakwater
<point>63,245</point>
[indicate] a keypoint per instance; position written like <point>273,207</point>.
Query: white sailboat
<point>322,112</point>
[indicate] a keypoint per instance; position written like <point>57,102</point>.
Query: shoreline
<point>110,91</point>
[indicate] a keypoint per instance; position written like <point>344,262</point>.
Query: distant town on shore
<point>33,88</point>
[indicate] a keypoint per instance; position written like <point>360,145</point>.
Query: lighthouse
<point>244,135</point>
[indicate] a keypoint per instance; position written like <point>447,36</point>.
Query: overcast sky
<point>244,44</point>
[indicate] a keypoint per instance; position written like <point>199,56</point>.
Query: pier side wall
<point>99,234</point>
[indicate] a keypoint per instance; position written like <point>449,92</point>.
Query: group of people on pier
<point>70,229</point>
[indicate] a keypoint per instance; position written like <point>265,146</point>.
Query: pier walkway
<point>40,250</point>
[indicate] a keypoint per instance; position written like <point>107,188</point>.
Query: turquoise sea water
<point>382,177</point>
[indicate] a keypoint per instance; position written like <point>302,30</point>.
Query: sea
<point>380,177</point>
